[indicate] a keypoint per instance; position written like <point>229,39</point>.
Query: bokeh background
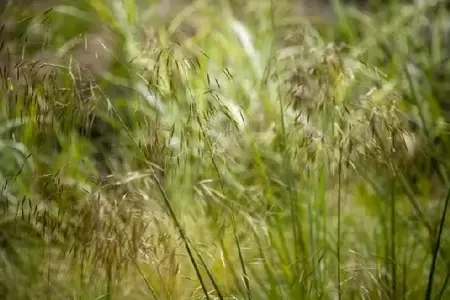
<point>224,149</point>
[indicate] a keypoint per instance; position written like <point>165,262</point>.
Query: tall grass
<point>231,151</point>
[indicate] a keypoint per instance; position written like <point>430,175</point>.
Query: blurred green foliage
<point>224,150</point>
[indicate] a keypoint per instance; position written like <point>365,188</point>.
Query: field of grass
<point>224,150</point>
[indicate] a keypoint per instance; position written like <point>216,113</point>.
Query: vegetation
<point>224,150</point>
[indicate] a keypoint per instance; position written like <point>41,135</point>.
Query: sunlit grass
<point>228,152</point>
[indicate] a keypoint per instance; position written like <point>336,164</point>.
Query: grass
<point>227,150</point>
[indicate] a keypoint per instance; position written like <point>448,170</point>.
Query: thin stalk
<point>436,247</point>
<point>393,244</point>
<point>298,241</point>
<point>444,286</point>
<point>182,234</point>
<point>338,243</point>
<point>241,257</point>
<point>241,260</point>
<point>393,227</point>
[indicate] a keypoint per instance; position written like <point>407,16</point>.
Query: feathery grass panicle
<point>232,150</point>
